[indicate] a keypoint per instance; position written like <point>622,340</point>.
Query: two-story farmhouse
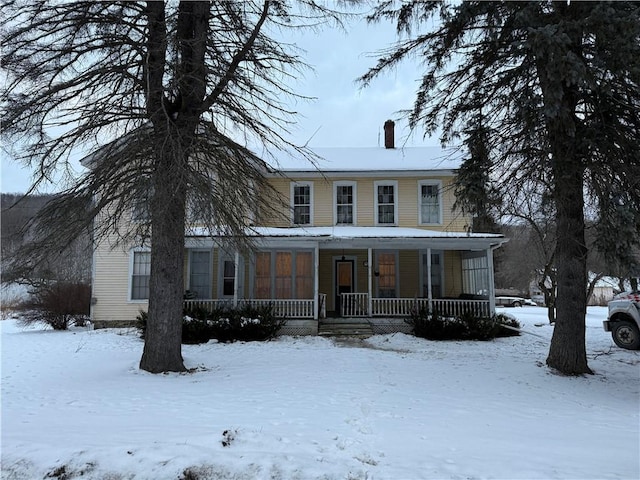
<point>368,232</point>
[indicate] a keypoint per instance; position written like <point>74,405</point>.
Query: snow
<point>348,232</point>
<point>390,407</point>
<point>367,159</point>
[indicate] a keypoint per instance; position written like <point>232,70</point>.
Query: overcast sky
<point>343,114</point>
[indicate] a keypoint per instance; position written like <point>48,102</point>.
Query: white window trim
<point>438,183</point>
<point>132,253</point>
<point>381,183</point>
<point>291,201</point>
<point>343,183</point>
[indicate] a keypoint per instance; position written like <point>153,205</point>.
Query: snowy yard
<point>75,405</point>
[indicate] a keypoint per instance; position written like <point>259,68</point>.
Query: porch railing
<point>353,305</point>
<point>284,308</point>
<point>356,305</point>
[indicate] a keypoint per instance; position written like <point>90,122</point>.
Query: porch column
<point>236,275</point>
<point>429,293</point>
<point>370,280</point>
<point>316,287</point>
<point>492,287</point>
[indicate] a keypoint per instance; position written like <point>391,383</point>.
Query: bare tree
<point>171,99</point>
<point>558,85</point>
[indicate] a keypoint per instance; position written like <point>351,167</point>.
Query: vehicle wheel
<point>517,304</point>
<point>626,335</point>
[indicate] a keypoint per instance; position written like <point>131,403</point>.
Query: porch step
<point>346,329</point>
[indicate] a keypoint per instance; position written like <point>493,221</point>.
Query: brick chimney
<point>389,140</point>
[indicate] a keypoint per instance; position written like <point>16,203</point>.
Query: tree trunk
<point>567,352</point>
<point>163,336</point>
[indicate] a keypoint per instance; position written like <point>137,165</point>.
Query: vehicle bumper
<point>607,325</point>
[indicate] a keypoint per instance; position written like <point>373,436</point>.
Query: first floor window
<point>387,275</point>
<point>304,275</point>
<point>263,275</point>
<point>436,275</point>
<point>200,273</point>
<point>140,275</point>
<point>284,275</point>
<point>228,278</point>
<point>475,274</point>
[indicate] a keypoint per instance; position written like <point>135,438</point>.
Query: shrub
<point>225,324</point>
<point>433,326</point>
<point>245,323</point>
<point>510,322</point>
<point>59,305</point>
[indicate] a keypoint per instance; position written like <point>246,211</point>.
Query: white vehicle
<point>513,302</point>
<point>624,320</point>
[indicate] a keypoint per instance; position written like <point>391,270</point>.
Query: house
<point>368,233</point>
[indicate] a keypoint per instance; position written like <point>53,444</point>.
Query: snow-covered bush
<point>468,326</point>
<point>245,323</point>
<point>225,324</point>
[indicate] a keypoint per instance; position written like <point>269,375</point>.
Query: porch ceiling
<point>340,237</point>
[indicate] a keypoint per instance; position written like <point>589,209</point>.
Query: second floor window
<point>345,202</point>
<point>386,203</point>
<point>430,203</point>
<point>302,204</point>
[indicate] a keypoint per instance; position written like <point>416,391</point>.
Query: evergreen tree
<point>559,88</point>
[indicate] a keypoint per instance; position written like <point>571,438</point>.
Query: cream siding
<point>409,274</point>
<point>407,197</point>
<point>111,287</point>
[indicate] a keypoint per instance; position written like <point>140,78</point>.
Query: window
<point>141,211</point>
<point>345,206</point>
<point>386,203</point>
<point>429,202</point>
<point>283,275</point>
<point>228,278</point>
<point>475,273</point>
<point>436,275</point>
<point>387,275</point>
<point>200,273</point>
<point>140,274</point>
<point>304,275</point>
<point>263,275</point>
<point>301,194</point>
<point>290,273</point>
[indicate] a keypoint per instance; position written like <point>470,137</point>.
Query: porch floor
<point>351,327</point>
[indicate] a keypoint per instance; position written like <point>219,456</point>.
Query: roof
<point>362,237</point>
<point>355,159</point>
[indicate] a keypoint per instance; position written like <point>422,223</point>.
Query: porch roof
<point>364,237</point>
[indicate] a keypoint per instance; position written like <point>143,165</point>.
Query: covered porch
<point>312,273</point>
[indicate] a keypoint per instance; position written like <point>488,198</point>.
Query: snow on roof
<point>343,159</point>
<point>346,232</point>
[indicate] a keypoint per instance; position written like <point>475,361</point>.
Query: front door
<point>344,280</point>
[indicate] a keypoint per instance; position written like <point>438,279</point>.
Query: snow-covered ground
<point>75,405</point>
